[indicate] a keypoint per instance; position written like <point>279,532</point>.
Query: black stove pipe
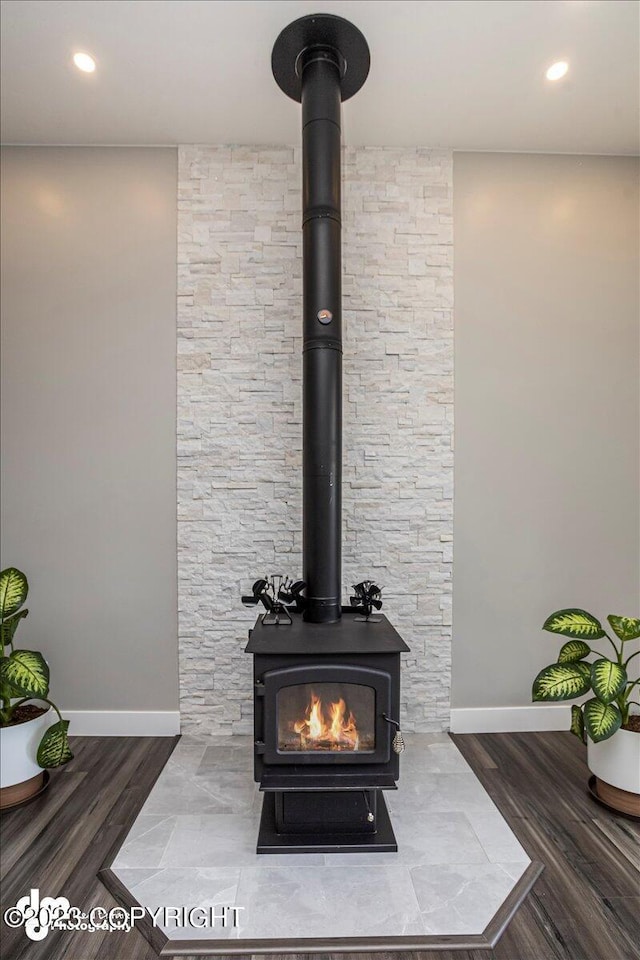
<point>321,60</point>
<point>322,338</point>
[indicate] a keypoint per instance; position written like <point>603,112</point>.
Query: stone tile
<point>187,754</point>
<point>495,835</point>
<point>239,386</point>
<point>431,838</point>
<point>233,790</point>
<point>516,868</point>
<point>446,758</point>
<point>212,841</point>
<point>175,792</point>
<point>453,866</point>
<point>132,876</point>
<point>421,740</point>
<point>226,758</point>
<point>268,861</point>
<point>439,792</point>
<point>421,759</point>
<point>459,898</point>
<point>236,741</point>
<point>437,838</point>
<point>143,823</point>
<point>306,902</point>
<point>146,848</point>
<point>204,889</point>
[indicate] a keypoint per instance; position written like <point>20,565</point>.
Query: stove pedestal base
<point>307,837</point>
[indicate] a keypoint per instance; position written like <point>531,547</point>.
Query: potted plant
<point>605,722</point>
<point>29,742</point>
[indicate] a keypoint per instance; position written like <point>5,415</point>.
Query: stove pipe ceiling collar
<point>320,60</point>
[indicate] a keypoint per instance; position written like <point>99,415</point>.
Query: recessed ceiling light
<point>84,62</point>
<point>558,70</point>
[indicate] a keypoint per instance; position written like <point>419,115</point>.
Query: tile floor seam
<point>477,836</point>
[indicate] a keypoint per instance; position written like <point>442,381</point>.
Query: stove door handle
<point>397,743</point>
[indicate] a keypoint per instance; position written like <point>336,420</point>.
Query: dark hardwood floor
<point>585,906</point>
<point>59,842</point>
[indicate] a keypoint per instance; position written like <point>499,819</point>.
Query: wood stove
<point>325,700</point>
<point>326,677</point>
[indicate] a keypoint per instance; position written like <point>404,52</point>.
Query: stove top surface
<point>348,635</point>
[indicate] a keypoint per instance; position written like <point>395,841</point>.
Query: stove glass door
<point>326,717</point>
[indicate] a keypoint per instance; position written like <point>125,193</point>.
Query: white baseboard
<point>166,723</point>
<point>537,717</point>
<point>122,723</point>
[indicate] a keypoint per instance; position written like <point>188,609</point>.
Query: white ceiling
<point>467,74</point>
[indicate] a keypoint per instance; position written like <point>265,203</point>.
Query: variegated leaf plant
<point>574,676</point>
<point>24,674</point>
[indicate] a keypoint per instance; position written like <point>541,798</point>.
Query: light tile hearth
<point>193,845</point>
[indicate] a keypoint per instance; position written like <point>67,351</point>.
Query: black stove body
<point>326,681</point>
<point>323,786</point>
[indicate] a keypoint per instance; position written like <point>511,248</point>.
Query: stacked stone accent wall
<point>240,411</point>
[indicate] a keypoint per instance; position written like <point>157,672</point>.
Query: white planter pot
<point>617,760</point>
<point>18,748</point>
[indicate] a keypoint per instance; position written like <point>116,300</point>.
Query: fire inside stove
<point>326,717</point>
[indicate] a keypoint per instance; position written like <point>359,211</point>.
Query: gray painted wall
<point>546,412</point>
<point>88,402</point>
<point>547,409</point>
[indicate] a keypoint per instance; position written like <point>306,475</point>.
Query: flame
<point>332,731</point>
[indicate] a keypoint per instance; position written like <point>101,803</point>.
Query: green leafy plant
<point>24,674</point>
<point>573,675</point>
